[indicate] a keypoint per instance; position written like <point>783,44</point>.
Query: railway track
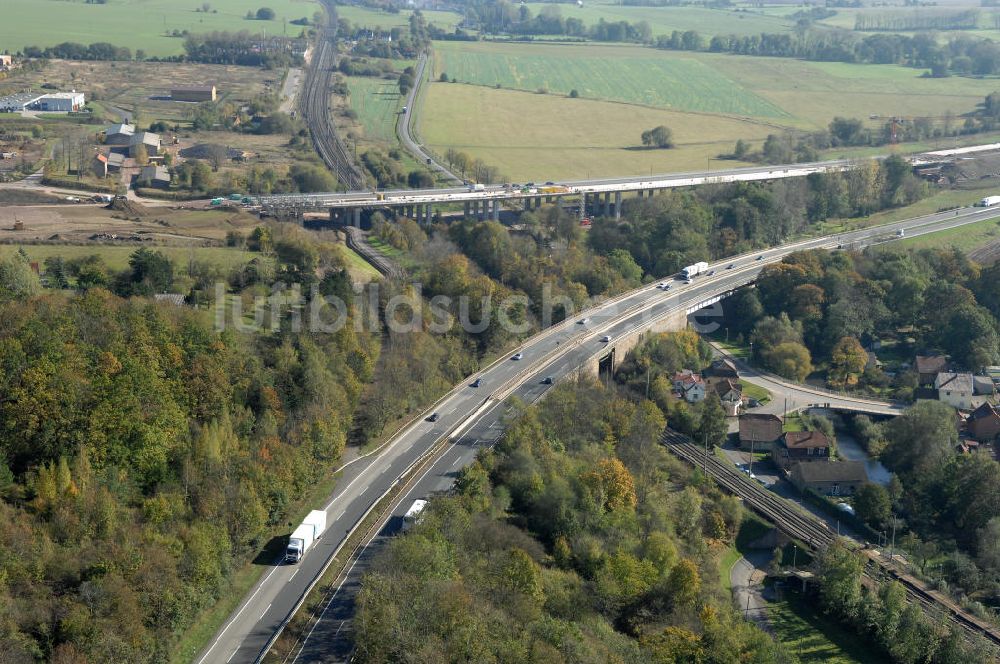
<point>356,241</point>
<point>815,533</point>
<point>315,107</point>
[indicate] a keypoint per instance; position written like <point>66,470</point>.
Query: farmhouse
<point>689,385</point>
<point>760,431</point>
<point>830,479</point>
<point>148,139</point>
<point>119,135</point>
<point>154,176</point>
<point>105,164</point>
<point>196,93</point>
<point>801,446</point>
<point>929,366</point>
<point>955,389</point>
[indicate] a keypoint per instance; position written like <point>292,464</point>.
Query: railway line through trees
<point>817,535</point>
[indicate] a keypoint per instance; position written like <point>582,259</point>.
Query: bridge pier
<point>583,206</point>
<point>356,222</point>
<point>538,202</point>
<point>618,205</point>
<point>606,205</point>
<point>496,210</point>
<point>465,207</point>
<point>527,204</point>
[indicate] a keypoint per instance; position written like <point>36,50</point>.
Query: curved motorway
<point>558,352</point>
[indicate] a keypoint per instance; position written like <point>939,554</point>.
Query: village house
<point>723,368</point>
<point>840,478</point>
<point>689,385</point>
<point>119,135</point>
<point>983,424</point>
<point>148,139</point>
<point>928,367</point>
<point>801,446</point>
<point>730,394</point>
<point>760,431</point>
<point>106,164</point>
<point>157,177</point>
<point>955,389</point>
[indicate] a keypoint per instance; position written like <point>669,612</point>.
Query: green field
<point>967,238</point>
<point>813,637</point>
<point>138,24</point>
<point>708,100</point>
<point>597,71</point>
<point>377,102</point>
<point>664,20</point>
<point>116,257</point>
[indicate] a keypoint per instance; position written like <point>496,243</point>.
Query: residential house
<point>760,431</point>
<point>730,394</point>
<point>723,368</point>
<point>840,478</point>
<point>955,389</point>
<point>689,385</point>
<point>106,164</point>
<point>801,446</point>
<point>929,366</point>
<point>119,135</point>
<point>154,176</point>
<point>983,424</point>
<point>148,139</point>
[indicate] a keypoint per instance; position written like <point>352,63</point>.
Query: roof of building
<point>193,88</point>
<point>760,426</point>
<point>62,95</point>
<point>102,158</point>
<point>985,410</point>
<point>153,172</point>
<point>146,138</point>
<point>724,364</point>
<point>125,129</point>
<point>931,363</point>
<point>832,471</point>
<point>956,382</point>
<point>727,385</point>
<point>983,385</point>
<point>801,440</point>
<point>116,159</point>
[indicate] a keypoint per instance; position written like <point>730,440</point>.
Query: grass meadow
<point>139,24</point>
<point>116,256</point>
<point>708,100</point>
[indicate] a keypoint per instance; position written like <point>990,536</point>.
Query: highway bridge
<point>471,417</point>
<point>602,196</point>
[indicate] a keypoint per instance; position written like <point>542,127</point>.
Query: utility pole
<point>892,547</point>
<point>747,612</point>
<point>795,556</point>
<point>705,465</point>
<point>753,440</point>
<point>647,381</point>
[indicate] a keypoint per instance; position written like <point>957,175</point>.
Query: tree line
<point>967,19</point>
<point>147,456</point>
<point>576,539</point>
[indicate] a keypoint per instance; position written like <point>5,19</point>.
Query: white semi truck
<point>692,270</point>
<point>303,537</point>
<point>989,201</point>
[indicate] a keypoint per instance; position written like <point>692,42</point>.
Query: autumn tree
<point>847,361</point>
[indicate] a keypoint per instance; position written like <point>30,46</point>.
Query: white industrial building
<point>55,102</point>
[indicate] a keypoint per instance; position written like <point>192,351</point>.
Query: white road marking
<point>456,462</point>
<point>292,576</point>
<point>233,655</point>
<point>265,613</point>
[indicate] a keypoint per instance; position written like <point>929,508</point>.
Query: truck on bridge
<point>692,270</point>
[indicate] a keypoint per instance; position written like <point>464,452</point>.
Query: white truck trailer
<point>412,516</point>
<point>302,539</point>
<point>692,270</point>
<point>989,201</point>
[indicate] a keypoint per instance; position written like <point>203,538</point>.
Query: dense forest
<point>824,306</point>
<point>145,456</point>
<point>576,539</point>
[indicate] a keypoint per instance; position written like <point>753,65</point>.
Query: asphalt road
<point>558,352</point>
<point>404,122</point>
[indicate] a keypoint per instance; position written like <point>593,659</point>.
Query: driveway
<point>747,580</point>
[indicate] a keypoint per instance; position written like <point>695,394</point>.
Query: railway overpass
<point>471,417</point>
